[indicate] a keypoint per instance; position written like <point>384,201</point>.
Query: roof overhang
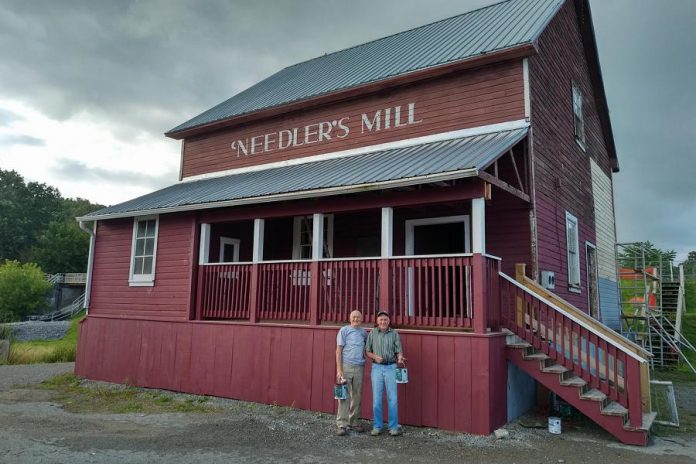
<point>377,169</point>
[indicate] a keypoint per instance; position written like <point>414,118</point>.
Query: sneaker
<point>357,428</point>
<point>395,432</point>
<point>375,432</point>
<point>341,431</point>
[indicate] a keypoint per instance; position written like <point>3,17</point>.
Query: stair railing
<point>590,350</point>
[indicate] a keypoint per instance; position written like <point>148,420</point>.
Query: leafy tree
<point>23,290</point>
<point>630,256</point>
<point>61,247</point>
<point>25,210</point>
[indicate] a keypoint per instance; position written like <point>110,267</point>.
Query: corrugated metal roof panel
<point>474,152</point>
<point>486,30</point>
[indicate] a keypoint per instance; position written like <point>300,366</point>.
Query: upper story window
<point>578,118</point>
<point>572,243</point>
<point>143,251</point>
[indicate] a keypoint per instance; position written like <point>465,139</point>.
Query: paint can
<point>401,375</point>
<point>341,391</point>
<point>555,425</point>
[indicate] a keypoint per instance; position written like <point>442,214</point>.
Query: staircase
<point>599,372</point>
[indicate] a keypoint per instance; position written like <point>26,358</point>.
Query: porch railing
<point>420,291</point>
<point>583,345</point>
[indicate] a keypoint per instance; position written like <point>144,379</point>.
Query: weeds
<point>76,396</point>
<point>45,351</point>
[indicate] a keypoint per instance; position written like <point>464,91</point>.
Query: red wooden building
<point>412,174</point>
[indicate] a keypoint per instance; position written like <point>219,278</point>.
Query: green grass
<point>688,327</point>
<point>47,351</point>
<point>75,396</point>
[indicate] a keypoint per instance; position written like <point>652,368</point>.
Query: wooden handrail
<point>602,329</point>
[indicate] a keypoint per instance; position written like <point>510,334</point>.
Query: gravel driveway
<point>36,429</point>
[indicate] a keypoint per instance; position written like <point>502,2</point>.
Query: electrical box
<point>548,280</point>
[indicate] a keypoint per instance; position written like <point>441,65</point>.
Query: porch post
<point>478,248</point>
<point>203,255</point>
<point>387,252</point>
<point>256,258</point>
<point>314,274</point>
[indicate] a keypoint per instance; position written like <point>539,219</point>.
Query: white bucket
<point>555,425</point>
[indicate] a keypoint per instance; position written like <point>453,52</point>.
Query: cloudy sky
<point>87,88</point>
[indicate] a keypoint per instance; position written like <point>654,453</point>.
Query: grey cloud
<point>7,117</point>
<point>19,139</point>
<point>75,170</point>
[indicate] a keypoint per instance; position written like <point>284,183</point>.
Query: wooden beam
<point>505,186</point>
<point>517,172</point>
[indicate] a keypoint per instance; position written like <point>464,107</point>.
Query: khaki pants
<point>349,409</point>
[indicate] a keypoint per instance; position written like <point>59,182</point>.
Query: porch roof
<point>386,168</point>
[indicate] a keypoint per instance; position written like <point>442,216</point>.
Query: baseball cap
<point>383,313</point>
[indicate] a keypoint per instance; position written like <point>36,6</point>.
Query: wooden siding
<point>553,252</point>
<point>487,95</point>
<point>563,179</point>
<point>169,297</point>
<point>603,196</point>
<point>609,303</point>
<point>508,233</point>
<point>457,381</point>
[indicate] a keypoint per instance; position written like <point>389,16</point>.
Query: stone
<point>501,434</point>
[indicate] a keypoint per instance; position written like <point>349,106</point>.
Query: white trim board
<point>470,132</point>
<point>410,224</point>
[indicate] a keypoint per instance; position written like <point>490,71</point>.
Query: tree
<point>61,247</point>
<point>23,290</point>
<point>25,210</point>
<point>630,256</point>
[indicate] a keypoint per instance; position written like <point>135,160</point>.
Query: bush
<point>23,290</point>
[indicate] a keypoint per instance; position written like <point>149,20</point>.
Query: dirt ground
<point>36,429</point>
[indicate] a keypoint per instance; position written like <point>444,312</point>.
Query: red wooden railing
<point>347,285</point>
<point>432,291</point>
<point>223,291</point>
<point>586,348</point>
<point>283,290</point>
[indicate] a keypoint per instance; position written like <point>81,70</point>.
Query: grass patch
<point>47,351</point>
<point>75,396</point>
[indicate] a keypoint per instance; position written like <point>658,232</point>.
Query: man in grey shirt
<point>350,364</point>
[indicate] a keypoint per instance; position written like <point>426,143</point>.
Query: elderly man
<point>350,363</point>
<point>383,346</point>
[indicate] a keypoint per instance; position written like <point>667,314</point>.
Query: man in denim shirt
<point>350,364</point>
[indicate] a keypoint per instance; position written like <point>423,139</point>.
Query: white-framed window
<point>302,237</point>
<point>578,117</point>
<point>573,247</point>
<point>229,250</point>
<point>143,251</point>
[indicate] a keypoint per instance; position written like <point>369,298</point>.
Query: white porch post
<point>317,236</point>
<point>387,252</point>
<point>257,253</point>
<point>478,226</point>
<point>204,248</point>
<point>314,272</point>
<point>478,248</point>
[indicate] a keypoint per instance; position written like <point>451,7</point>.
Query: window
<point>578,118</point>
<point>229,250</point>
<point>143,251</point>
<point>572,242</point>
<point>302,237</point>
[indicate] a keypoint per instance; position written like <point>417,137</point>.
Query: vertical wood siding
<point>603,196</point>
<point>508,233</point>
<point>486,95</point>
<point>562,169</point>
<point>169,297</point>
<point>456,381</point>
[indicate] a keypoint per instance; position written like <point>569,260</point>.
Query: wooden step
<point>574,382</point>
<point>537,356</point>
<point>521,344</point>
<point>648,420</point>
<point>593,395</point>
<point>614,409</point>
<point>555,369</point>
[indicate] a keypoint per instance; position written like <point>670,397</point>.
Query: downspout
<point>90,259</point>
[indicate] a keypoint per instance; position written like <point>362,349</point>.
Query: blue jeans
<point>384,376</point>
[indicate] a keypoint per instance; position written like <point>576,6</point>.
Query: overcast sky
<point>87,88</point>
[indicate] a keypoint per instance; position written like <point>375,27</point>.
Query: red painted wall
<point>457,381</point>
<point>169,297</point>
<point>477,97</point>
<point>562,169</point>
<point>508,231</point>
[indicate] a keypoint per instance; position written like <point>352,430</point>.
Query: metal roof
<point>491,29</point>
<point>454,158</point>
